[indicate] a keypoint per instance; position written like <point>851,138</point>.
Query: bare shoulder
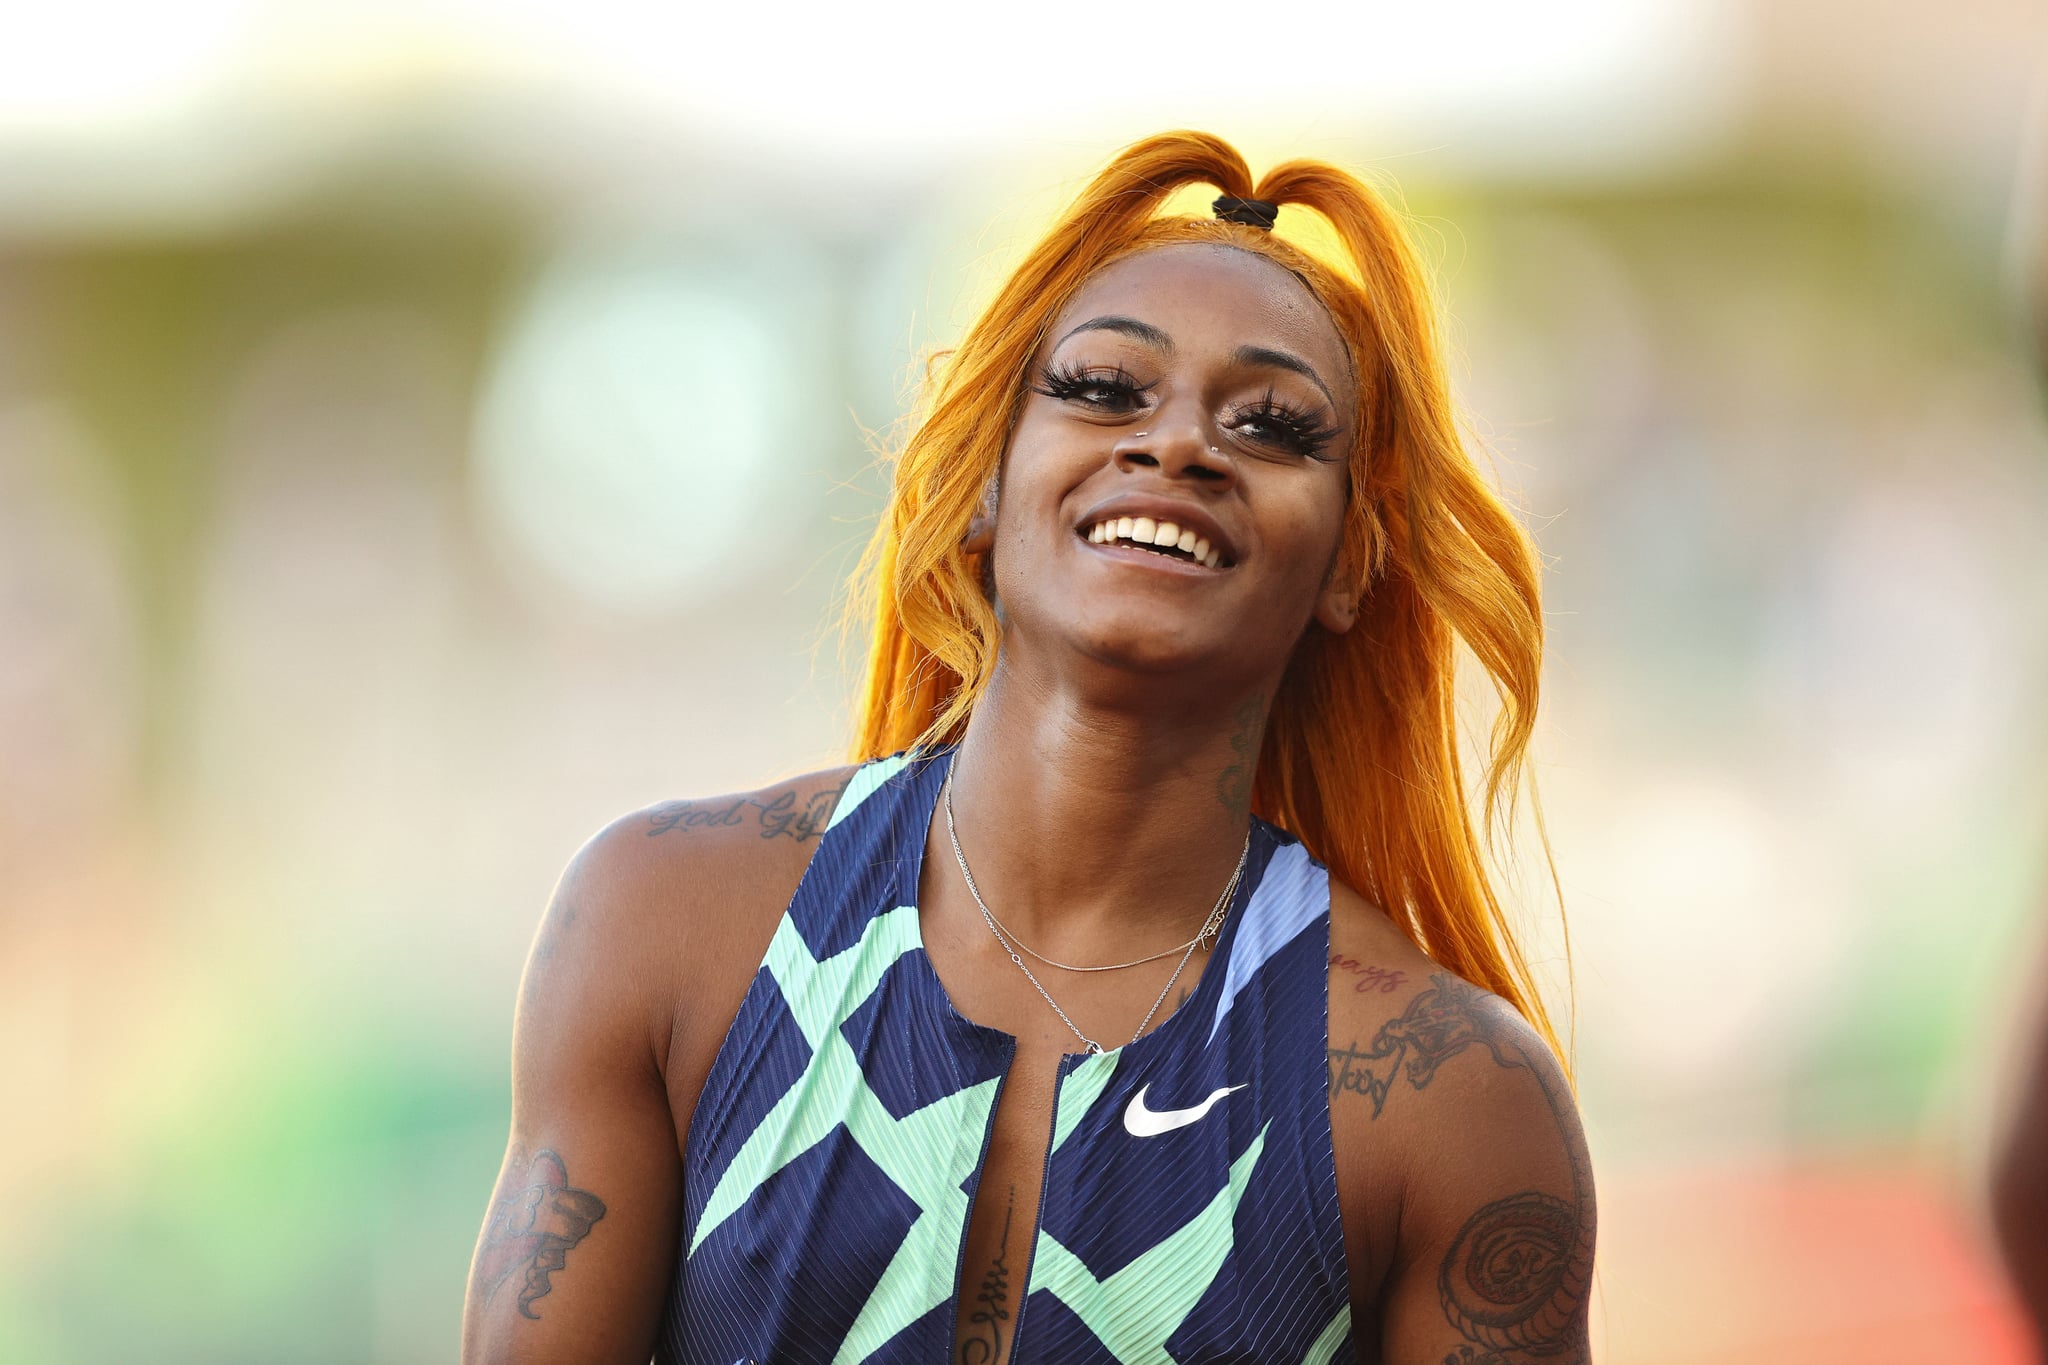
<point>1374,967</point>
<point>672,905</point>
<point>1452,1121</point>
<point>1397,1020</point>
<point>677,871</point>
<point>720,855</point>
<point>653,931</point>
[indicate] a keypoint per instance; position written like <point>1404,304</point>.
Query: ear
<point>1336,609</point>
<point>981,534</point>
<point>981,527</point>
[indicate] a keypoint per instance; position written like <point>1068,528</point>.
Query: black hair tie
<point>1256,213</point>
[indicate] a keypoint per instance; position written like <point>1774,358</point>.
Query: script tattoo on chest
<point>781,817</point>
<point>1517,1278</point>
<point>984,1340</point>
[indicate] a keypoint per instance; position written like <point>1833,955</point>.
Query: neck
<point>1099,830</point>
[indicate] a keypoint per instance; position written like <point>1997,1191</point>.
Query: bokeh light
<point>430,431</point>
<point>631,431</point>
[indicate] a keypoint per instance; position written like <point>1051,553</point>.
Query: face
<point>1174,489</point>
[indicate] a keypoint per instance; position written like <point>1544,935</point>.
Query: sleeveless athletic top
<point>1190,1205</point>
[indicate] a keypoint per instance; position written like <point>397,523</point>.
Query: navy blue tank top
<point>1190,1204</point>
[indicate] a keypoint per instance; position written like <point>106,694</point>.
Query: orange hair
<point>1360,758</point>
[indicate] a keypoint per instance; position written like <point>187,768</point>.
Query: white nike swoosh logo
<point>1142,1122</point>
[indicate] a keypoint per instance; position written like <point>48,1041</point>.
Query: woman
<point>1029,1038</point>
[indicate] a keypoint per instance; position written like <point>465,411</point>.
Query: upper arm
<point>1494,1256</point>
<point>579,1239</point>
<point>645,952</point>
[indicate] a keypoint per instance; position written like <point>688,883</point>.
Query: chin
<point>1145,637</point>
<point>1142,643</point>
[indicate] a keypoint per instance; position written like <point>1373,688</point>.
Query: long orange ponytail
<point>1360,759</point>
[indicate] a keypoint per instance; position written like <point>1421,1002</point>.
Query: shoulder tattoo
<point>1438,1024</point>
<point>781,817</point>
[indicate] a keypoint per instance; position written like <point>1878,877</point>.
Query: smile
<point>1160,537</point>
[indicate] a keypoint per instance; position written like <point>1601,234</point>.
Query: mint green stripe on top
<point>819,996</point>
<point>1079,1091</point>
<point>927,1154</point>
<point>863,783</point>
<point>1134,1311</point>
<point>1323,1350</point>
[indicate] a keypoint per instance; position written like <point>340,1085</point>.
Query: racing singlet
<point>1190,1204</point>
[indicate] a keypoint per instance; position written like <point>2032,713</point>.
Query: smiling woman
<point>1140,993</point>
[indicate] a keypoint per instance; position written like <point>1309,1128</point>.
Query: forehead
<point>1198,293</point>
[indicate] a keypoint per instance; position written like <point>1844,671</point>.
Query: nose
<point>1180,445</point>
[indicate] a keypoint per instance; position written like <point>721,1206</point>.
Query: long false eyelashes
<point>1114,387</point>
<point>1299,427</point>
<point>1271,420</point>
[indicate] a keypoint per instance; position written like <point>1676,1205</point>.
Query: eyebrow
<point>1282,360</point>
<point>1130,327</point>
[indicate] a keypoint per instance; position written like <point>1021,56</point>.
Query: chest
<point>899,1154</point>
<point>1005,1200</point>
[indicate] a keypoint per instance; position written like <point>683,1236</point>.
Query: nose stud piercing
<point>1143,434</point>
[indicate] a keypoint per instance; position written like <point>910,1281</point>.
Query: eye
<point>1280,425</point>
<point>1111,390</point>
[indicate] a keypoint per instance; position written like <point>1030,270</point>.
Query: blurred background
<point>429,431</point>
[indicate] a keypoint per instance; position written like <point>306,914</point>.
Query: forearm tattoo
<point>532,1229</point>
<point>1516,1280</point>
<point>783,817</point>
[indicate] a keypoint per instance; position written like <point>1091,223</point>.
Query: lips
<point>1164,537</point>
<point>1177,532</point>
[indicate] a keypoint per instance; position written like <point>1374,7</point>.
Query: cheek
<point>1336,506</point>
<point>1316,528</point>
<point>1038,470</point>
<point>1027,513</point>
<point>1340,524</point>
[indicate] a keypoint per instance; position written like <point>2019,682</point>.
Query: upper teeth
<point>1164,534</point>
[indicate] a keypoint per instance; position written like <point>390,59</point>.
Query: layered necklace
<point>1010,943</point>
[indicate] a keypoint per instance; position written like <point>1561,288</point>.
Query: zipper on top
<point>1069,1063</point>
